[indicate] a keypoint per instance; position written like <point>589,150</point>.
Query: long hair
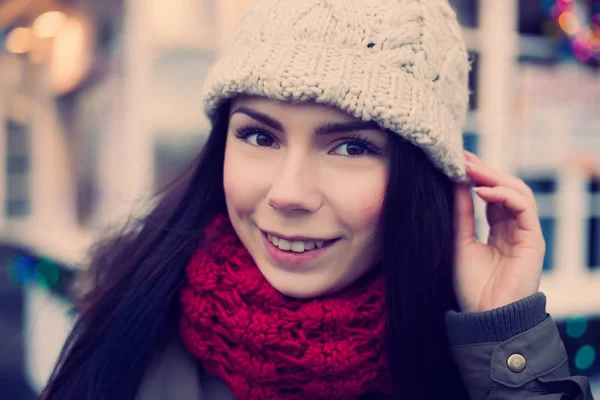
<point>132,306</point>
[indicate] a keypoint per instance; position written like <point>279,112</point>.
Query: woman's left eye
<point>351,149</point>
<point>355,148</point>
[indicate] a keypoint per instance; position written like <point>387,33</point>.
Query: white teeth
<point>309,245</point>
<point>295,246</point>
<point>284,244</point>
<point>298,247</point>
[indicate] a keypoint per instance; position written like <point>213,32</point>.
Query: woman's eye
<point>351,149</point>
<point>256,137</point>
<point>260,139</point>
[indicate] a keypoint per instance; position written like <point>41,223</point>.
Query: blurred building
<point>100,107</point>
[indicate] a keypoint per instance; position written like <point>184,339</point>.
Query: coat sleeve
<point>514,352</point>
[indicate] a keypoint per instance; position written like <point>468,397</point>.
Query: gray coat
<point>530,364</point>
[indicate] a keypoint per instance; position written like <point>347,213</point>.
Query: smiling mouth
<point>297,246</point>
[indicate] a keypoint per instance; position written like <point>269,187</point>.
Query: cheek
<point>358,201</point>
<point>236,188</point>
<point>243,180</point>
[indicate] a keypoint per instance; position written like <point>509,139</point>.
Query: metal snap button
<point>516,363</point>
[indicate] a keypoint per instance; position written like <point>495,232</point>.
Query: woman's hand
<point>509,267</point>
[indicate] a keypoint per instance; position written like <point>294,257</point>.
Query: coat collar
<point>173,374</point>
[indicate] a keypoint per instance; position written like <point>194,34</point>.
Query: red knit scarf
<point>267,346</point>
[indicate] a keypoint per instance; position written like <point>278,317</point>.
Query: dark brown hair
<point>132,306</point>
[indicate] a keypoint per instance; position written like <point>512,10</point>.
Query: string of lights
<point>579,21</point>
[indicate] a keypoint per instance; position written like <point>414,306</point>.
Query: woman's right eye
<point>257,137</point>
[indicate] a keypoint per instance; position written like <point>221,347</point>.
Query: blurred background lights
<point>19,40</point>
<point>580,22</point>
<point>72,54</point>
<point>547,5</point>
<point>585,34</point>
<point>47,273</point>
<point>568,23</point>
<point>39,54</point>
<point>47,25</point>
<point>565,5</point>
<point>576,326</point>
<point>582,50</point>
<point>585,357</point>
<point>22,270</point>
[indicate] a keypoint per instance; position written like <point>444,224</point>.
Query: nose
<point>295,188</point>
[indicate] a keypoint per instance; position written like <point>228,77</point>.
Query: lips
<point>295,252</point>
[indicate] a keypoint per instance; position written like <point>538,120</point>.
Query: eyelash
<point>245,131</point>
<point>358,140</point>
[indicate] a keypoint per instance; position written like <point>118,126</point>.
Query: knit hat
<point>400,63</point>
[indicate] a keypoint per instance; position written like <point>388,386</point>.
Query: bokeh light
<point>584,37</point>
<point>47,25</point>
<point>585,357</point>
<point>555,11</point>
<point>565,5</point>
<point>19,40</point>
<point>22,270</point>
<point>547,5</point>
<point>568,23</point>
<point>582,50</point>
<point>576,326</point>
<point>47,273</point>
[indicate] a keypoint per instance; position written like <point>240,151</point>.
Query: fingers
<point>521,206</point>
<point>464,212</point>
<point>485,175</point>
<point>494,186</point>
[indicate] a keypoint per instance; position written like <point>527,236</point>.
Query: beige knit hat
<point>400,63</point>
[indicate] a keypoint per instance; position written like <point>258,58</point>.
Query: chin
<point>291,285</point>
<point>299,294</point>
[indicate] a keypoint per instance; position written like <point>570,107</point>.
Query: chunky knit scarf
<point>267,346</point>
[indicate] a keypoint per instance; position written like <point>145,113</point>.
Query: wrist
<point>496,325</point>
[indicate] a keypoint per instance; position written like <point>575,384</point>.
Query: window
<point>17,201</point>
<point>467,11</point>
<point>471,142</point>
<point>533,16</point>
<point>544,189</point>
<point>593,245</point>
<point>473,74</point>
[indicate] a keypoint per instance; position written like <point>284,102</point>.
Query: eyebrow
<point>262,118</point>
<point>344,127</point>
<point>325,129</point>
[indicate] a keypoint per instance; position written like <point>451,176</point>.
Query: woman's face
<point>304,186</point>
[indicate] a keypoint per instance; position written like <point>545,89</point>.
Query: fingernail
<point>472,156</point>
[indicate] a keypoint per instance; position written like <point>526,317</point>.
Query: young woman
<point>322,245</point>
